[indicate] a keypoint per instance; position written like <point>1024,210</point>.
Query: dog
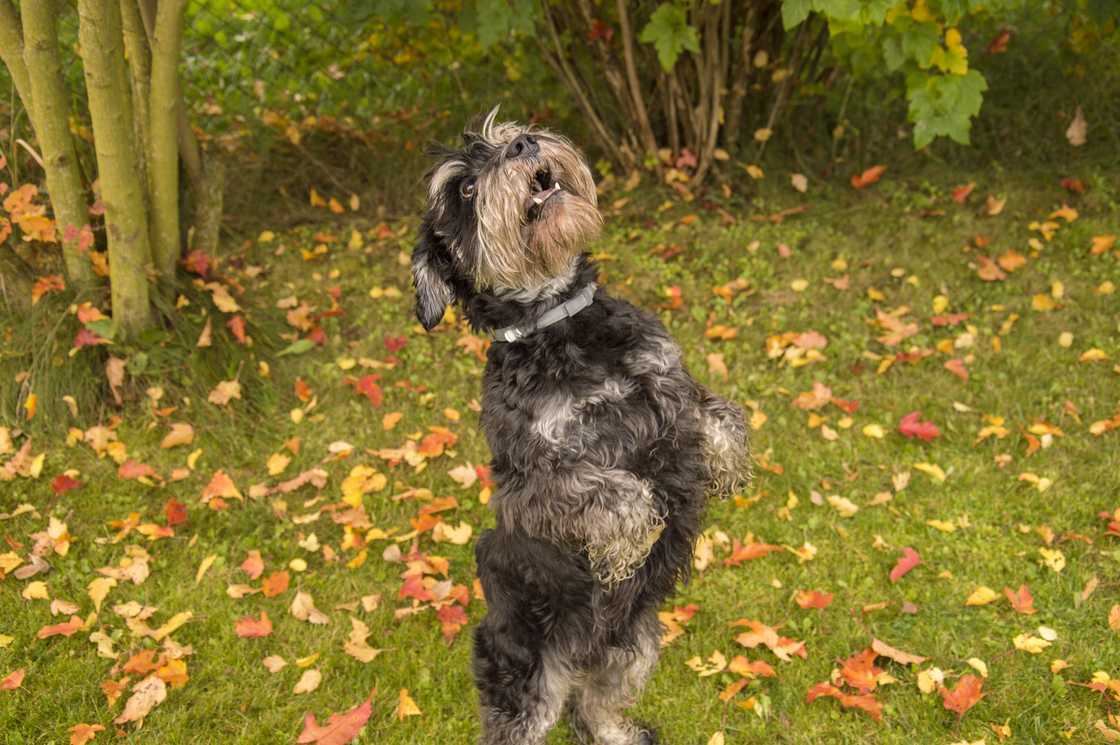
<point>604,448</point>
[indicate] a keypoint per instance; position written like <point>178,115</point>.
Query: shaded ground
<point>1006,494</point>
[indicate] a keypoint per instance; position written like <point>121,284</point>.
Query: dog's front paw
<point>619,542</point>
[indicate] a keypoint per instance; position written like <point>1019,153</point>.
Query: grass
<point>890,239</point>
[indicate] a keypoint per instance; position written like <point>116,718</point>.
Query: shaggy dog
<point>604,447</point>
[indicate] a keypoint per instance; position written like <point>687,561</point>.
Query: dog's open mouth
<point>542,187</point>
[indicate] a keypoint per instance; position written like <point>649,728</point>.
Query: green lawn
<point>900,244</point>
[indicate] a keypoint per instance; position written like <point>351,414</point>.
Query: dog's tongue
<point>542,196</point>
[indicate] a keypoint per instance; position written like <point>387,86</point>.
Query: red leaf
<point>1021,600</point>
<point>912,426</point>
<point>866,703</point>
<point>12,680</point>
<point>253,565</point>
<point>395,343</point>
<point>87,338</point>
<point>964,696</point>
<point>868,177</point>
<point>1074,185</point>
<point>253,628</point>
<point>176,512</point>
<point>741,553</point>
<point>452,619</point>
<point>236,326</point>
<point>998,44</point>
<point>340,729</point>
<point>813,599</point>
<point>950,320</point>
<point>906,562</point>
<point>960,194</point>
<point>368,387</point>
<point>600,30</point>
<point>197,262</point>
<point>63,483</point>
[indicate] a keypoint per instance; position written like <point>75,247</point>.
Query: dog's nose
<point>523,146</point>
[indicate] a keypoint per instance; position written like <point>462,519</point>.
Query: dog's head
<point>509,211</point>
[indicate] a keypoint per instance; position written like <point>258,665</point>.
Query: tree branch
<point>645,132</point>
<point>11,52</point>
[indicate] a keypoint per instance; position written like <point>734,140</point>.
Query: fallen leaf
<point>911,426</point>
<point>813,599</point>
<point>867,703</point>
<point>964,695</point>
<point>1021,600</point>
<point>308,682</point>
<point>13,680</point>
<point>909,559</point>
<point>1077,130</point>
<point>303,608</point>
<point>80,734</point>
<point>146,695</point>
<point>406,707</point>
<point>340,729</point>
<point>253,628</point>
<point>902,658</point>
<point>181,434</point>
<point>868,177</point>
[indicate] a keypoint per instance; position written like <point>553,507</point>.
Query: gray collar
<point>567,309</point>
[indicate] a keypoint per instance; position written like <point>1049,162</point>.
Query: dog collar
<point>566,309</point>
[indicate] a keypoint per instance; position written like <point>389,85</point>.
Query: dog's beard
<point>534,215</point>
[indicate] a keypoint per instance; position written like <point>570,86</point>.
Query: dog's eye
<point>466,189</point>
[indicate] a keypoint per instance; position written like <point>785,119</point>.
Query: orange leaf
<point>868,177</point>
<point>80,734</point>
<point>1102,243</point>
<point>988,270</point>
<point>741,553</point>
<point>253,628</point>
<point>12,680</point>
<point>964,696</point>
<point>859,671</point>
<point>867,703</point>
<point>813,599</point>
<point>960,194</point>
<point>340,729</point>
<point>69,628</point>
<point>1021,600</point>
<point>275,584</point>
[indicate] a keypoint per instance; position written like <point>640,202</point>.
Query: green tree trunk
<point>11,51</point>
<point>163,156</point>
<point>52,129</point>
<point>110,106</point>
<point>140,75</point>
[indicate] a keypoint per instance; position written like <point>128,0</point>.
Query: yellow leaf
<point>982,596</point>
<point>1053,558</point>
<point>98,589</point>
<point>172,625</point>
<point>1030,643</point>
<point>1043,303</point>
<point>203,567</point>
<point>36,590</point>
<point>932,470</point>
<point>406,707</point>
<point>277,462</point>
<point>181,434</point>
<point>844,506</point>
<point>874,430</point>
<point>943,525</point>
<point>758,418</point>
<point>978,665</point>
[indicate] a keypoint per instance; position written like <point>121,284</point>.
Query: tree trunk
<point>110,107</point>
<point>140,75</point>
<point>11,51</point>
<point>163,157</point>
<point>52,129</point>
<point>208,205</point>
<point>15,281</point>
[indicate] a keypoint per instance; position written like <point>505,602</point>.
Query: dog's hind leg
<point>522,691</point>
<point>725,444</point>
<point>600,701</point>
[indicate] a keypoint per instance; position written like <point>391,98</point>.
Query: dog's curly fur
<point>604,447</point>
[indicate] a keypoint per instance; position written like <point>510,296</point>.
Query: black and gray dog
<point>604,447</point>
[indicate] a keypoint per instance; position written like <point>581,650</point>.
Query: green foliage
<point>669,32</point>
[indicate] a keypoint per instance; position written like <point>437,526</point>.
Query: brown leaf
<point>146,695</point>
<point>80,734</point>
<point>114,373</point>
<point>903,658</point>
<point>181,434</point>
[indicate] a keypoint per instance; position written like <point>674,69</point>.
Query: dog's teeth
<point>537,200</point>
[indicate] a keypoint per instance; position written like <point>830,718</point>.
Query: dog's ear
<point>433,293</point>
